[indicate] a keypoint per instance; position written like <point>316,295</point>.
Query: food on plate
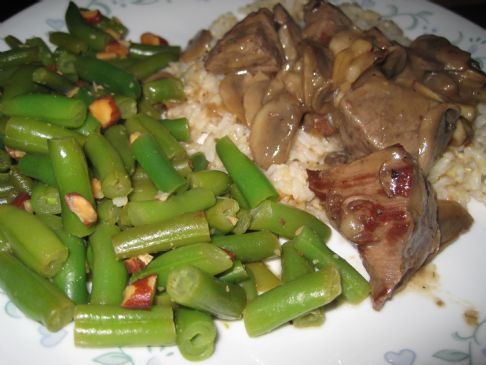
<point>173,186</point>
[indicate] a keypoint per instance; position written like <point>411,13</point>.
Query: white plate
<point>417,327</point>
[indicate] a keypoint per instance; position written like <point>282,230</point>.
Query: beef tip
<point>251,45</point>
<point>323,20</point>
<point>385,205</point>
<point>379,113</point>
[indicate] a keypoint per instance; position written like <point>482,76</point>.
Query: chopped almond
<point>112,50</point>
<point>137,263</point>
<point>105,110</point>
<point>15,154</point>
<point>22,201</point>
<point>140,294</point>
<point>96,188</point>
<point>82,208</point>
<point>152,39</point>
<point>91,16</point>
<point>133,137</point>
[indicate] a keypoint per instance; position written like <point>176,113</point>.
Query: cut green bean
<point>12,41</point>
<point>250,247</point>
<point>156,164</point>
<point>354,286</point>
<point>49,307</point>
<point>37,166</point>
<point>21,183</point>
<point>143,187</point>
<point>24,231</point>
<point>243,224</point>
<point>263,277</point>
<point>72,177</point>
<point>108,213</point>
<point>217,181</point>
<point>126,105</point>
<point>171,233</point>
<point>68,42</point>
<point>169,89</point>
<point>31,135</point>
<point>253,184</point>
<point>111,326</point>
<point>195,333</point>
<point>285,220</point>
<point>236,274</point>
<point>109,276</point>
<point>91,125</point>
<point>222,215</point>
<point>19,56</point>
<point>109,166</point>
<point>52,80</point>
<point>151,64</point>
<point>5,161</point>
<point>205,256</point>
<point>199,161</point>
<point>45,54</point>
<point>117,135</point>
<point>93,37</point>
<point>291,300</point>
<point>194,288</point>
<point>45,199</point>
<point>146,50</point>
<point>152,211</point>
<point>178,127</point>
<point>20,82</point>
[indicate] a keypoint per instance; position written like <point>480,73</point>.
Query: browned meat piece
<point>323,20</point>
<point>380,113</point>
<point>197,46</point>
<point>384,204</point>
<point>453,220</point>
<point>251,45</point>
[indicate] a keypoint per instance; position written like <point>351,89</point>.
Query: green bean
<point>195,334</point>
<point>7,192</point>
<point>72,177</point>
<point>65,64</point>
<point>355,288</point>
<point>68,42</point>
<point>6,74</point>
<point>263,277</point>
<point>222,215</point>
<point>45,54</point>
<point>19,56</point>
<point>291,300</point>
<point>236,274</point>
<point>4,245</point>
<point>49,307</point>
<point>108,213</point>
<point>156,164</point>
<point>182,166</point>
<point>205,256</point>
<point>72,278</point>
<point>171,233</point>
<point>145,50</point>
<point>20,82</point>
<point>253,184</point>
<point>243,224</point>
<point>45,199</point>
<point>143,187</point>
<point>39,167</point>
<point>93,37</point>
<point>112,26</point>
<point>168,89</point>
<point>199,162</point>
<point>91,125</point>
<point>236,193</point>
<point>109,276</point>
<point>151,64</point>
<point>52,80</point>
<point>168,144</point>
<point>249,286</point>
<point>153,211</point>
<point>21,183</point>
<point>109,166</point>
<point>103,73</point>
<point>295,265</point>
<point>24,231</point>
<point>111,326</point>
<point>285,220</point>
<point>250,247</point>
<point>178,127</point>
<point>32,135</point>
<point>56,109</point>
<point>126,105</point>
<point>118,137</point>
<point>217,181</point>
<point>194,288</point>
<point>12,41</point>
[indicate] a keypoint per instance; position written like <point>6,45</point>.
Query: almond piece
<point>137,263</point>
<point>22,201</point>
<point>105,110</point>
<point>82,208</point>
<point>152,39</point>
<point>140,294</point>
<point>91,16</point>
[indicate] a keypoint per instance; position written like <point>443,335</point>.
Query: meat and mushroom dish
<point>394,108</point>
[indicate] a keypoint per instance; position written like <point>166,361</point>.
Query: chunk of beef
<point>384,204</point>
<point>323,20</point>
<point>380,113</point>
<point>251,45</point>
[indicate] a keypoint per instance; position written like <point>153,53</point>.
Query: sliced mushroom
<point>289,33</point>
<point>197,46</point>
<point>273,130</point>
<point>453,220</point>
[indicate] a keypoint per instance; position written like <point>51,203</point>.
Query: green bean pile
<point>107,221</point>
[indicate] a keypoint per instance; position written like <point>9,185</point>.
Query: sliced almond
<point>140,294</point>
<point>105,110</point>
<point>96,188</point>
<point>82,208</point>
<point>22,201</point>
<point>152,39</point>
<point>137,263</point>
<point>91,16</point>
